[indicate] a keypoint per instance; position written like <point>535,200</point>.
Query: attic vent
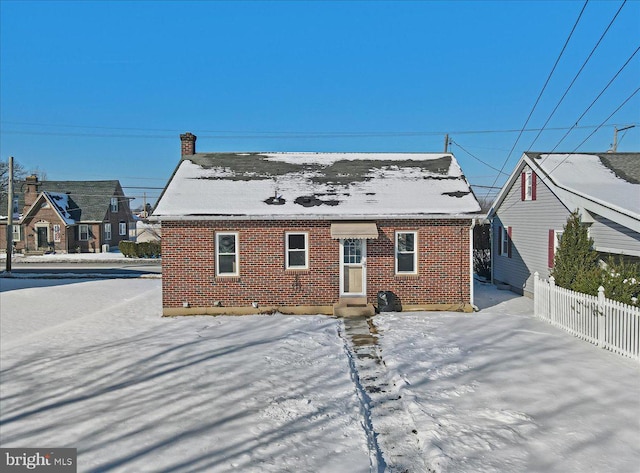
<point>313,201</point>
<point>275,200</point>
<point>457,194</point>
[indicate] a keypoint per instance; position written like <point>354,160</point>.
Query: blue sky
<point>102,90</point>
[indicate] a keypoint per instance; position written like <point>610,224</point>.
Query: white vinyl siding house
<point>530,222</point>
<point>611,237</point>
<point>536,208</point>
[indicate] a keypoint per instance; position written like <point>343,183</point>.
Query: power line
<point>597,98</point>
<point>578,74</point>
<point>594,131</point>
<point>477,158</point>
<point>282,134</point>
<point>542,91</point>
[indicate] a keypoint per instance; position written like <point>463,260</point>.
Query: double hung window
<point>297,250</point>
<point>227,254</point>
<point>83,232</point>
<point>406,253</point>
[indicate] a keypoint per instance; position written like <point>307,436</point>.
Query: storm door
<point>353,257</point>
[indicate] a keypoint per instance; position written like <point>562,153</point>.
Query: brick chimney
<point>31,192</point>
<point>188,147</point>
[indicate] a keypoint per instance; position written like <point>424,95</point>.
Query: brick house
<point>67,216</point>
<point>314,232</point>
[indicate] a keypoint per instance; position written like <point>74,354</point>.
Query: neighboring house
<point>146,232</point>
<point>530,211</point>
<point>304,232</point>
<point>67,216</point>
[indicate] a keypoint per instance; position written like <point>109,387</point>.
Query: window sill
<point>297,270</point>
<point>229,278</point>
<point>407,276</point>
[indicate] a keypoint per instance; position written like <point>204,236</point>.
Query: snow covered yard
<point>92,365</point>
<point>501,391</point>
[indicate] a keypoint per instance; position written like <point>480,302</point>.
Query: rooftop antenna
<point>614,147</point>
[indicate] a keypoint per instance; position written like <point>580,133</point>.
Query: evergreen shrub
<point>132,249</point>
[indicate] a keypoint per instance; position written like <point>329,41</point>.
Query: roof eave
<point>430,216</point>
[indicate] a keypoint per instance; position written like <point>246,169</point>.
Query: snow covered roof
<point>60,202</point>
<point>605,183</point>
<point>598,177</point>
<point>307,185</point>
<point>88,200</point>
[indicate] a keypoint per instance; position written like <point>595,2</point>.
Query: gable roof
<point>607,184</point>
<point>316,185</point>
<point>61,203</point>
<point>87,201</point>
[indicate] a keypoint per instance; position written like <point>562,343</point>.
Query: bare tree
<point>19,172</point>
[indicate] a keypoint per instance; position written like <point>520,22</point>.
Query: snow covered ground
<point>107,257</point>
<point>91,364</point>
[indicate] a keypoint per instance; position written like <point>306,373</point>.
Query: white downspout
<point>471,291</point>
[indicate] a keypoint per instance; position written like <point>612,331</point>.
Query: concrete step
<point>353,307</point>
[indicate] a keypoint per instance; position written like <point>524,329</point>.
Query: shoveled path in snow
<point>388,419</point>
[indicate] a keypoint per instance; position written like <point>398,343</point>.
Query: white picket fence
<point>608,324</point>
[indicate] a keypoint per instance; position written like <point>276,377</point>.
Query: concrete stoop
<point>353,307</point>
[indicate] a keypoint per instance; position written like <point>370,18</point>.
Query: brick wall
<point>188,264</point>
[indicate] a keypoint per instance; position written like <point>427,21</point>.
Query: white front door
<point>353,268</point>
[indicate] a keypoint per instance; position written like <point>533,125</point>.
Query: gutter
<point>184,218</point>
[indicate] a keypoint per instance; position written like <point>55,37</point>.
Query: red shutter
<point>509,242</point>
<point>523,186</point>
<point>551,248</point>
<point>533,186</point>
<point>499,240</point>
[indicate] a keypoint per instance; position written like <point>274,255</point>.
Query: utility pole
<point>144,204</point>
<point>614,148</point>
<point>10,216</point>
<point>446,143</point>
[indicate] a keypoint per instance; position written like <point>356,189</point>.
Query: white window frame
<point>114,204</point>
<point>107,232</point>
<point>86,232</point>
<point>528,185</point>
<point>16,233</point>
<point>505,242</point>
<point>414,252</point>
<point>557,235</point>
<point>122,227</point>
<point>236,254</point>
<point>288,251</point>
